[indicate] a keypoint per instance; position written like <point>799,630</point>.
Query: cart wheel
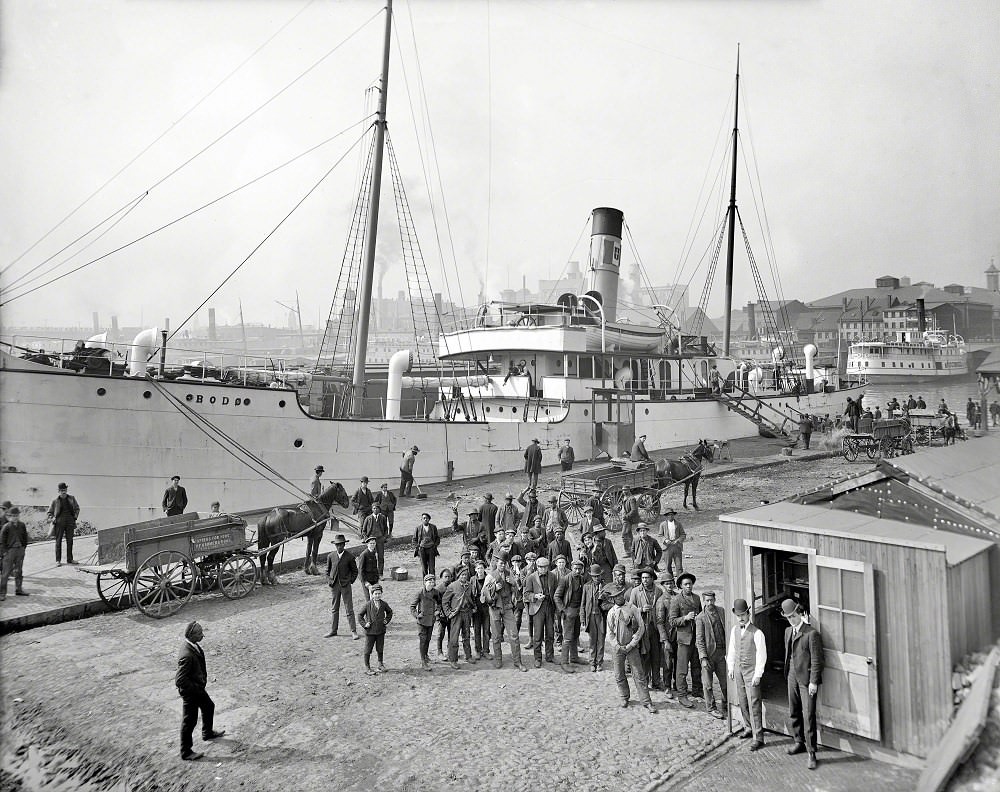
<point>164,583</point>
<point>649,506</point>
<point>923,437</point>
<point>571,506</point>
<point>612,500</point>
<point>115,589</point>
<point>237,576</point>
<point>873,448</point>
<point>850,449</point>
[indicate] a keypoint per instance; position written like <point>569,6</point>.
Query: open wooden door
<point>843,608</point>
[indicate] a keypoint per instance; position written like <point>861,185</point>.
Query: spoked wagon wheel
<point>164,583</point>
<point>649,506</point>
<point>612,500</point>
<point>850,449</point>
<point>572,508</point>
<point>115,589</point>
<point>237,576</point>
<point>873,448</point>
<point>923,436</point>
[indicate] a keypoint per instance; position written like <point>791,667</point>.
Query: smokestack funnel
<point>97,322</point>
<point>921,315</point>
<point>605,257</point>
<point>211,324</point>
<point>751,321</point>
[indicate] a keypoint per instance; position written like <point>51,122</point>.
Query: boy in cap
<point>425,544</point>
<point>559,546</point>
<point>474,534</point>
<point>425,608</point>
<point>444,623</point>
<point>387,505</point>
<point>539,591</point>
<point>13,541</point>
<point>376,526</point>
<point>625,629</point>
<point>367,562</point>
<point>374,618</point>
<point>746,660</point>
<point>480,611</point>
<point>341,572</point>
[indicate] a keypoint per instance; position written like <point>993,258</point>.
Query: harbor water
<point>955,391</point>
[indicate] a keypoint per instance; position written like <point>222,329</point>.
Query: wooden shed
<point>897,604</point>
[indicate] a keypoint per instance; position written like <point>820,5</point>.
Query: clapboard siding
<point>969,595</point>
<point>914,641</point>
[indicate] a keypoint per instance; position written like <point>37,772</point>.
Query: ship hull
<point>117,441</point>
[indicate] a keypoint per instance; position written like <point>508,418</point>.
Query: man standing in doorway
<point>567,456</point>
<point>533,463</point>
<point>804,671</point>
<point>175,499</point>
<point>406,473</point>
<point>746,660</point>
<point>63,512</point>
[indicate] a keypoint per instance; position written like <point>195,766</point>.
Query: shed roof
<point>991,365</point>
<point>965,473</point>
<point>834,522</point>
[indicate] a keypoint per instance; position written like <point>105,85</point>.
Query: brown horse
<point>280,524</point>
<point>687,469</point>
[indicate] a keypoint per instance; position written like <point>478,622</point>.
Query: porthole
<point>586,413</point>
<point>499,409</point>
<point>298,442</point>
<point>189,397</point>
<point>246,402</point>
<point>101,391</point>
<point>513,409</point>
<point>488,409</point>
<point>281,403</point>
<point>147,394</point>
<point>647,411</point>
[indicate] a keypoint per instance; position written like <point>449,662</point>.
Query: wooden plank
<point>962,736</point>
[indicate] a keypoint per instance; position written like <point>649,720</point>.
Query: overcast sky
<point>873,127</point>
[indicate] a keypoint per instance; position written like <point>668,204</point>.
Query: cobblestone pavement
<point>91,704</point>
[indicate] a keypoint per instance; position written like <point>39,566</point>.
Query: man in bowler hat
<point>746,660</point>
<point>341,572</point>
<point>804,671</point>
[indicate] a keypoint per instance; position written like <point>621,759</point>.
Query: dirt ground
<point>91,705</point>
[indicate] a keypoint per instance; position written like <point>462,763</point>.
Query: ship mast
<point>368,273</point>
<point>732,218</point>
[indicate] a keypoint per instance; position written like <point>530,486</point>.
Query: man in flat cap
<point>568,601</point>
<point>644,597</point>
<point>508,515</point>
<point>191,679</point>
<point>746,660</point>
<point>341,572</point>
<point>473,532</point>
<point>646,551</point>
<point>175,499</point>
<point>376,526</point>
<point>406,473</point>
<point>481,611</point>
<point>425,544</point>
<point>367,562</point>
<point>532,508</point>
<point>386,500</point>
<point>804,672</point>
<point>639,453</point>
<point>63,512</point>
<point>425,608</point>
<point>316,482</point>
<point>559,546</point>
<point>533,462</point>
<point>499,593</point>
<point>604,554</point>
<point>539,594</point>
<point>362,500</point>
<point>458,604</point>
<point>673,545</point>
<point>625,629</point>
<point>710,640</point>
<point>554,518</point>
<point>13,542</point>
<point>683,610</point>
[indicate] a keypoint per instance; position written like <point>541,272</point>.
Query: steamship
<point>506,375</point>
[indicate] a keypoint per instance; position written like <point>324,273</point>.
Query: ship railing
<point>506,315</point>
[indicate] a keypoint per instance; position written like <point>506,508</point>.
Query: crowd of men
<point>517,572</point>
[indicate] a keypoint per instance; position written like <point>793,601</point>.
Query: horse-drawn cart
<point>607,483</point>
<point>888,437</point>
<point>168,559</point>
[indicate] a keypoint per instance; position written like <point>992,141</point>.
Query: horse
<point>687,469</point>
<point>280,523</point>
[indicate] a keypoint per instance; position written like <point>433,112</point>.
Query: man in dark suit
<point>488,516</point>
<point>191,679</point>
<point>362,500</point>
<point>64,512</point>
<point>593,615</point>
<point>568,600</point>
<point>539,594</point>
<point>341,572</point>
<point>175,499</point>
<point>804,671</point>
<point>533,463</point>
<point>683,609</point>
<point>710,639</point>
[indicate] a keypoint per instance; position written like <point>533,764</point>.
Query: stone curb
<point>718,747</point>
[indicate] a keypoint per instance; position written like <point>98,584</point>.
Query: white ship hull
<point>903,362</point>
<point>117,447</point>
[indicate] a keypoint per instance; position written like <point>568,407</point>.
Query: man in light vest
<point>746,660</point>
